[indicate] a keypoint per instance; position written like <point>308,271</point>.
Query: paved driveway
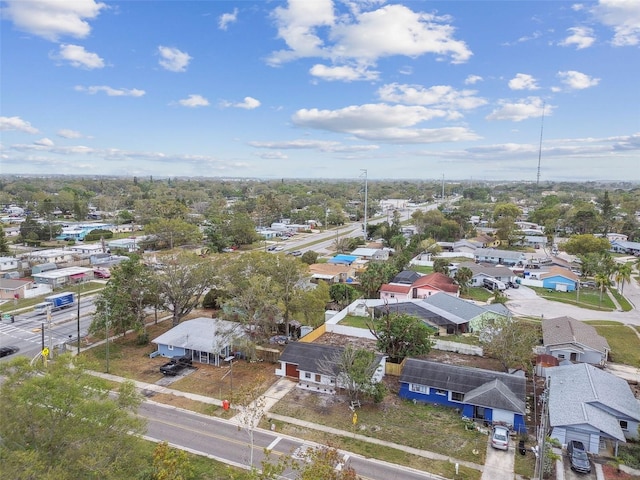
<point>499,464</point>
<point>524,301</point>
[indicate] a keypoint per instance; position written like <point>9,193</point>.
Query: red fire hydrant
<point>225,404</point>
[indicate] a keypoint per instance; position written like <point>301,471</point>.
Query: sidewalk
<point>275,393</point>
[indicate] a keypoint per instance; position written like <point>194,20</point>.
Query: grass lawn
<point>525,465</point>
<point>588,298</point>
<point>624,303</point>
<point>422,269</point>
<point>624,343</point>
<point>478,294</point>
<point>427,427</point>
<point>355,321</point>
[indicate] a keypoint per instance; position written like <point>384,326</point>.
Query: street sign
<point>45,352</point>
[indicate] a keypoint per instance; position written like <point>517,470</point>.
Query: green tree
<point>606,211</point>
<point>584,244</point>
<point>602,282</point>
<point>169,464</point>
<point>64,424</point>
<point>441,265</point>
<point>509,341</point>
<point>343,294</point>
<point>508,210</point>
<point>353,369</point>
<point>122,302</point>
<point>4,245</point>
<point>400,336</point>
<point>172,232</point>
<point>309,257</point>
<point>311,304</point>
<point>623,274</point>
<point>182,282</point>
<point>462,277</point>
<point>376,274</point>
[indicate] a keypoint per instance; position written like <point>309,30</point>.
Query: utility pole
<point>540,147</point>
<point>78,322</point>
<point>366,200</point>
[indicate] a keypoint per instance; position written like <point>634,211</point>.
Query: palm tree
<point>463,277</point>
<point>602,281</point>
<point>623,274</point>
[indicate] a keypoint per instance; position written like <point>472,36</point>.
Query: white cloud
<point>623,16</point>
<point>581,37</point>
<point>577,80</point>
<point>194,101</point>
<point>273,156</point>
<point>173,59</point>
<point>51,19</point>
<point>111,92</point>
<point>439,96</point>
<point>344,73</point>
<point>249,103</point>
<point>321,145</point>
<point>523,109</point>
<point>16,123</point>
<point>44,142</point>
<point>227,18</point>
<point>473,79</point>
<point>363,37</point>
<point>382,122</point>
<point>66,133</point>
<point>523,81</point>
<point>78,57</point>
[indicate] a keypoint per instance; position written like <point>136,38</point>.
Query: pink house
<point>422,287</point>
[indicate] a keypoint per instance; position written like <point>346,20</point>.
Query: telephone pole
<point>366,199</point>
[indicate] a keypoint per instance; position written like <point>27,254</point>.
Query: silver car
<point>500,437</point>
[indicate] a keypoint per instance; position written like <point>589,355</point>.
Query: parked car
<point>6,351</point>
<point>588,284</point>
<point>578,458</point>
<point>174,366</point>
<point>500,437</point>
<point>100,273</point>
<point>514,285</point>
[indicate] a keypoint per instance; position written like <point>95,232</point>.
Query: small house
<point>569,339</point>
<point>484,395</point>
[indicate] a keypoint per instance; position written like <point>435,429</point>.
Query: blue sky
<point>322,89</point>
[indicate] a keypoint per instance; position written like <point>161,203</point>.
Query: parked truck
<point>175,366</point>
<point>56,302</point>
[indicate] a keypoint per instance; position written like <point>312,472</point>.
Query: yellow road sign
<point>45,352</point>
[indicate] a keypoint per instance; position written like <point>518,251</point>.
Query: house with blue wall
<point>561,279</point>
<point>203,340</point>
<point>485,395</point>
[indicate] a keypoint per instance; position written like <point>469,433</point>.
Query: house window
<point>317,377</point>
<point>169,347</point>
<point>624,425</point>
<point>439,391</point>
<point>457,396</point>
<point>393,295</point>
<point>414,387</point>
<point>561,356</point>
<point>307,375</point>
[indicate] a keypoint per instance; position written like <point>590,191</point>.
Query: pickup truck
<point>175,366</point>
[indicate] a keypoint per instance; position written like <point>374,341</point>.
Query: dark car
<point>578,457</point>
<point>175,366</point>
<point>6,351</point>
<point>514,285</point>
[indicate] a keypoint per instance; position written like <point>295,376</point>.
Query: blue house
<point>485,395</point>
<point>203,340</point>
<point>561,279</point>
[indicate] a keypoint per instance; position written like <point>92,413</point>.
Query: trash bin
<point>521,447</point>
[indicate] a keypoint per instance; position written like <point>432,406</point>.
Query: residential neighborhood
<point>309,323</point>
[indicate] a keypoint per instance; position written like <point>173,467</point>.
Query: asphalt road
<point>26,331</point>
<point>224,441</point>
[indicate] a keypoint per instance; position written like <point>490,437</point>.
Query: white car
<point>500,437</point>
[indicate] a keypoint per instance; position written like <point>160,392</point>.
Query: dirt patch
<point>612,473</point>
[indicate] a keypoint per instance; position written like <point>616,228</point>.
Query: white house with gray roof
<point>480,272</point>
<point>590,405</point>
<point>503,257</point>
<point>569,339</point>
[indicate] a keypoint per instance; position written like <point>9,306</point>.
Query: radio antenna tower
<point>540,147</point>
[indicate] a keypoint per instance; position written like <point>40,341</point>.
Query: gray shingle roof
<point>429,313</point>
<point>200,334</point>
<point>583,394</point>
<point>462,308</point>
<point>507,393</point>
<point>567,330</point>
<point>309,356</point>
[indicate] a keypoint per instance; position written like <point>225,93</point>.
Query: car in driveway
<point>6,351</point>
<point>500,437</point>
<point>578,458</point>
<point>175,366</point>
